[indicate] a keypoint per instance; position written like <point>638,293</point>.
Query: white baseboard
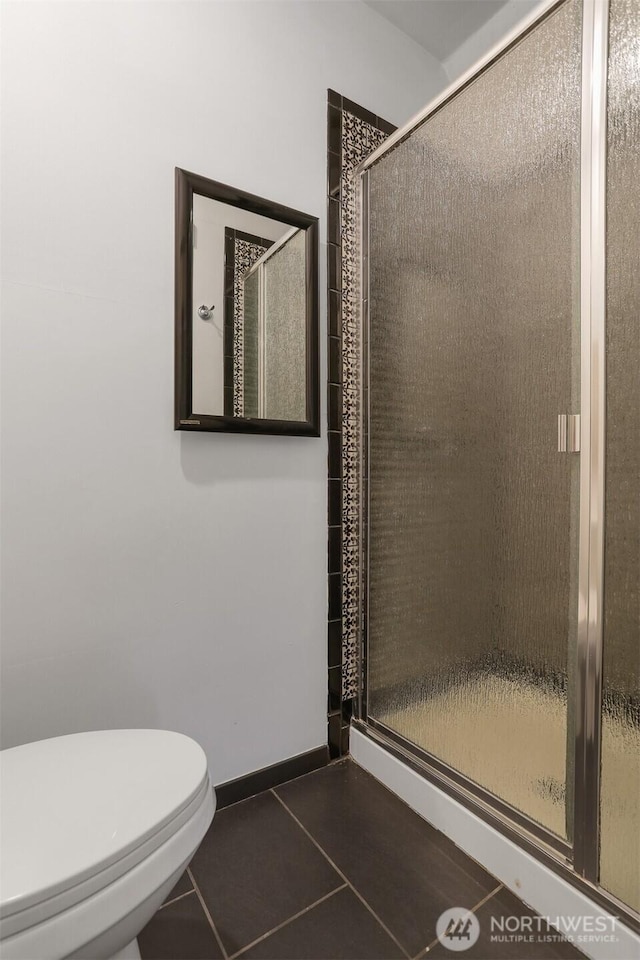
<point>532,881</point>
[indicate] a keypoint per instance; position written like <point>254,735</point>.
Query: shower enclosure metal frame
<point>576,861</point>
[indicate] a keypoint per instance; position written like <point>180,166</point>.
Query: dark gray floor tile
<point>182,886</point>
<point>339,928</point>
<point>180,931</point>
<point>495,944</point>
<point>407,871</point>
<point>256,868</point>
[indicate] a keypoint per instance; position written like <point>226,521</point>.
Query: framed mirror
<point>246,291</point>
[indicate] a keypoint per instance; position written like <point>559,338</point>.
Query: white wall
<point>155,578</point>
<point>490,33</point>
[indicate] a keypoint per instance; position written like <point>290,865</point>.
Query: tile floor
<point>331,866</point>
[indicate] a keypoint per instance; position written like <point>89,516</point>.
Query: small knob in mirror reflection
<point>205,313</point>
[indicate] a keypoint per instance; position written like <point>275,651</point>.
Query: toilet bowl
<point>95,830</point>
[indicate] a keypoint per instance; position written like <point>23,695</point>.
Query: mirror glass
<point>248,309</point>
<point>247,357</point>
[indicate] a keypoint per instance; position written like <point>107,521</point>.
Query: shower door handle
<point>568,433</point>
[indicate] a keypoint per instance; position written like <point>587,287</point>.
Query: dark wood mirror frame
<point>185,418</point>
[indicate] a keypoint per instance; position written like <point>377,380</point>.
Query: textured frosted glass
<point>474,351</point>
<point>250,360</point>
<point>620,791</point>
<point>285,331</point>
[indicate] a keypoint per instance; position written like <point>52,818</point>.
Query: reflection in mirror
<point>274,295</point>
<point>227,242</point>
<point>246,288</point>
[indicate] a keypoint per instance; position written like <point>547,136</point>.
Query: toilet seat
<point>102,924</point>
<point>89,811</point>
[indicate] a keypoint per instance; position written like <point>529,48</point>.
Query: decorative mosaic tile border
<point>353,133</point>
<point>241,250</point>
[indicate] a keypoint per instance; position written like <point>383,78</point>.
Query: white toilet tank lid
<point>72,806</point>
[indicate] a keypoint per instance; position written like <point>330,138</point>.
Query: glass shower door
<point>474,347</point>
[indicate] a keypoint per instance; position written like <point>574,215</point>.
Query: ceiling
<point>440,26</point>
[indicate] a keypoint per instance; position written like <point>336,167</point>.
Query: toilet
<point>95,830</point>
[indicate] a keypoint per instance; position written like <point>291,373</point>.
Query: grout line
<point>168,903</point>
<point>480,903</point>
<point>286,923</point>
<point>207,914</point>
<point>344,877</point>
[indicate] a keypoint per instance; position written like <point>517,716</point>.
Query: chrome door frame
<point>577,862</point>
<point>592,441</point>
